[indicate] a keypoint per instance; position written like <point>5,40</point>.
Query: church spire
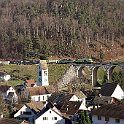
<point>42,73</point>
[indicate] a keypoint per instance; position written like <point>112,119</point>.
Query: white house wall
<point>10,90</point>
<point>74,98</point>
<point>118,93</point>
<point>19,115</point>
<point>7,77</point>
<point>102,121</point>
<point>50,118</point>
<point>40,97</point>
<point>13,91</point>
<point>83,107</point>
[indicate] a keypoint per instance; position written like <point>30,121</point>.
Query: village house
<point>71,110</point>
<point>81,97</point>
<point>50,115</point>
<point>30,83</point>
<point>108,114</point>
<point>108,94</point>
<point>4,76</point>
<point>58,99</point>
<point>40,93</point>
<point>113,90</point>
<point>9,94</point>
<point>29,111</point>
<point>56,114</point>
<point>103,100</point>
<point>60,108</point>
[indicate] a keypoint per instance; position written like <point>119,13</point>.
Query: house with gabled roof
<point>29,111</point>
<point>4,76</point>
<point>65,115</point>
<point>40,93</point>
<point>70,110</point>
<point>60,108</point>
<point>81,97</point>
<point>108,114</point>
<point>30,83</point>
<point>50,115</point>
<point>8,93</point>
<point>112,90</point>
<point>103,100</point>
<point>58,99</point>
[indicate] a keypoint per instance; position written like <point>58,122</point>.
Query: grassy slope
<point>23,71</point>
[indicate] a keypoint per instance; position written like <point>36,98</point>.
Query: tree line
<point>35,28</point>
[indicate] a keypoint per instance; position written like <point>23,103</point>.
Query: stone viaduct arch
<point>108,68</point>
<point>81,71</point>
<point>94,75</point>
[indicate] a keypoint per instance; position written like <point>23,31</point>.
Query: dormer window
<point>99,117</point>
<point>117,120</point>
<point>54,118</point>
<point>67,109</point>
<point>45,118</point>
<point>106,118</point>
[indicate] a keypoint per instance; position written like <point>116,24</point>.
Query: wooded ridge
<point>72,28</point>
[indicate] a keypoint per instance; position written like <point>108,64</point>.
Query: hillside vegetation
<point>72,28</point>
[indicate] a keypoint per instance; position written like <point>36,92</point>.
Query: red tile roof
<point>41,90</point>
<point>30,82</point>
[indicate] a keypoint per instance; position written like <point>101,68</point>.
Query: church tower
<point>42,73</point>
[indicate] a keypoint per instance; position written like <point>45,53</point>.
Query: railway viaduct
<point>108,68</point>
<point>75,70</point>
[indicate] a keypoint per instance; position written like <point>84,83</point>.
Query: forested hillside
<point>72,28</point>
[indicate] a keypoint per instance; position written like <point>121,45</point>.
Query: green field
<point>20,73</point>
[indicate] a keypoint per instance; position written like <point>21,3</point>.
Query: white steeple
<point>42,74</point>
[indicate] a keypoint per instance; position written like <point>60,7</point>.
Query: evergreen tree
<point>84,118</point>
<point>118,78</point>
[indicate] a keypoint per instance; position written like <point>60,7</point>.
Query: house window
<point>21,112</point>
<point>47,97</point>
<point>54,118</point>
<point>117,120</point>
<point>45,73</point>
<point>18,118</point>
<point>27,113</point>
<point>39,98</point>
<point>106,118</point>
<point>23,118</point>
<point>99,117</point>
<point>45,118</point>
<point>39,73</point>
